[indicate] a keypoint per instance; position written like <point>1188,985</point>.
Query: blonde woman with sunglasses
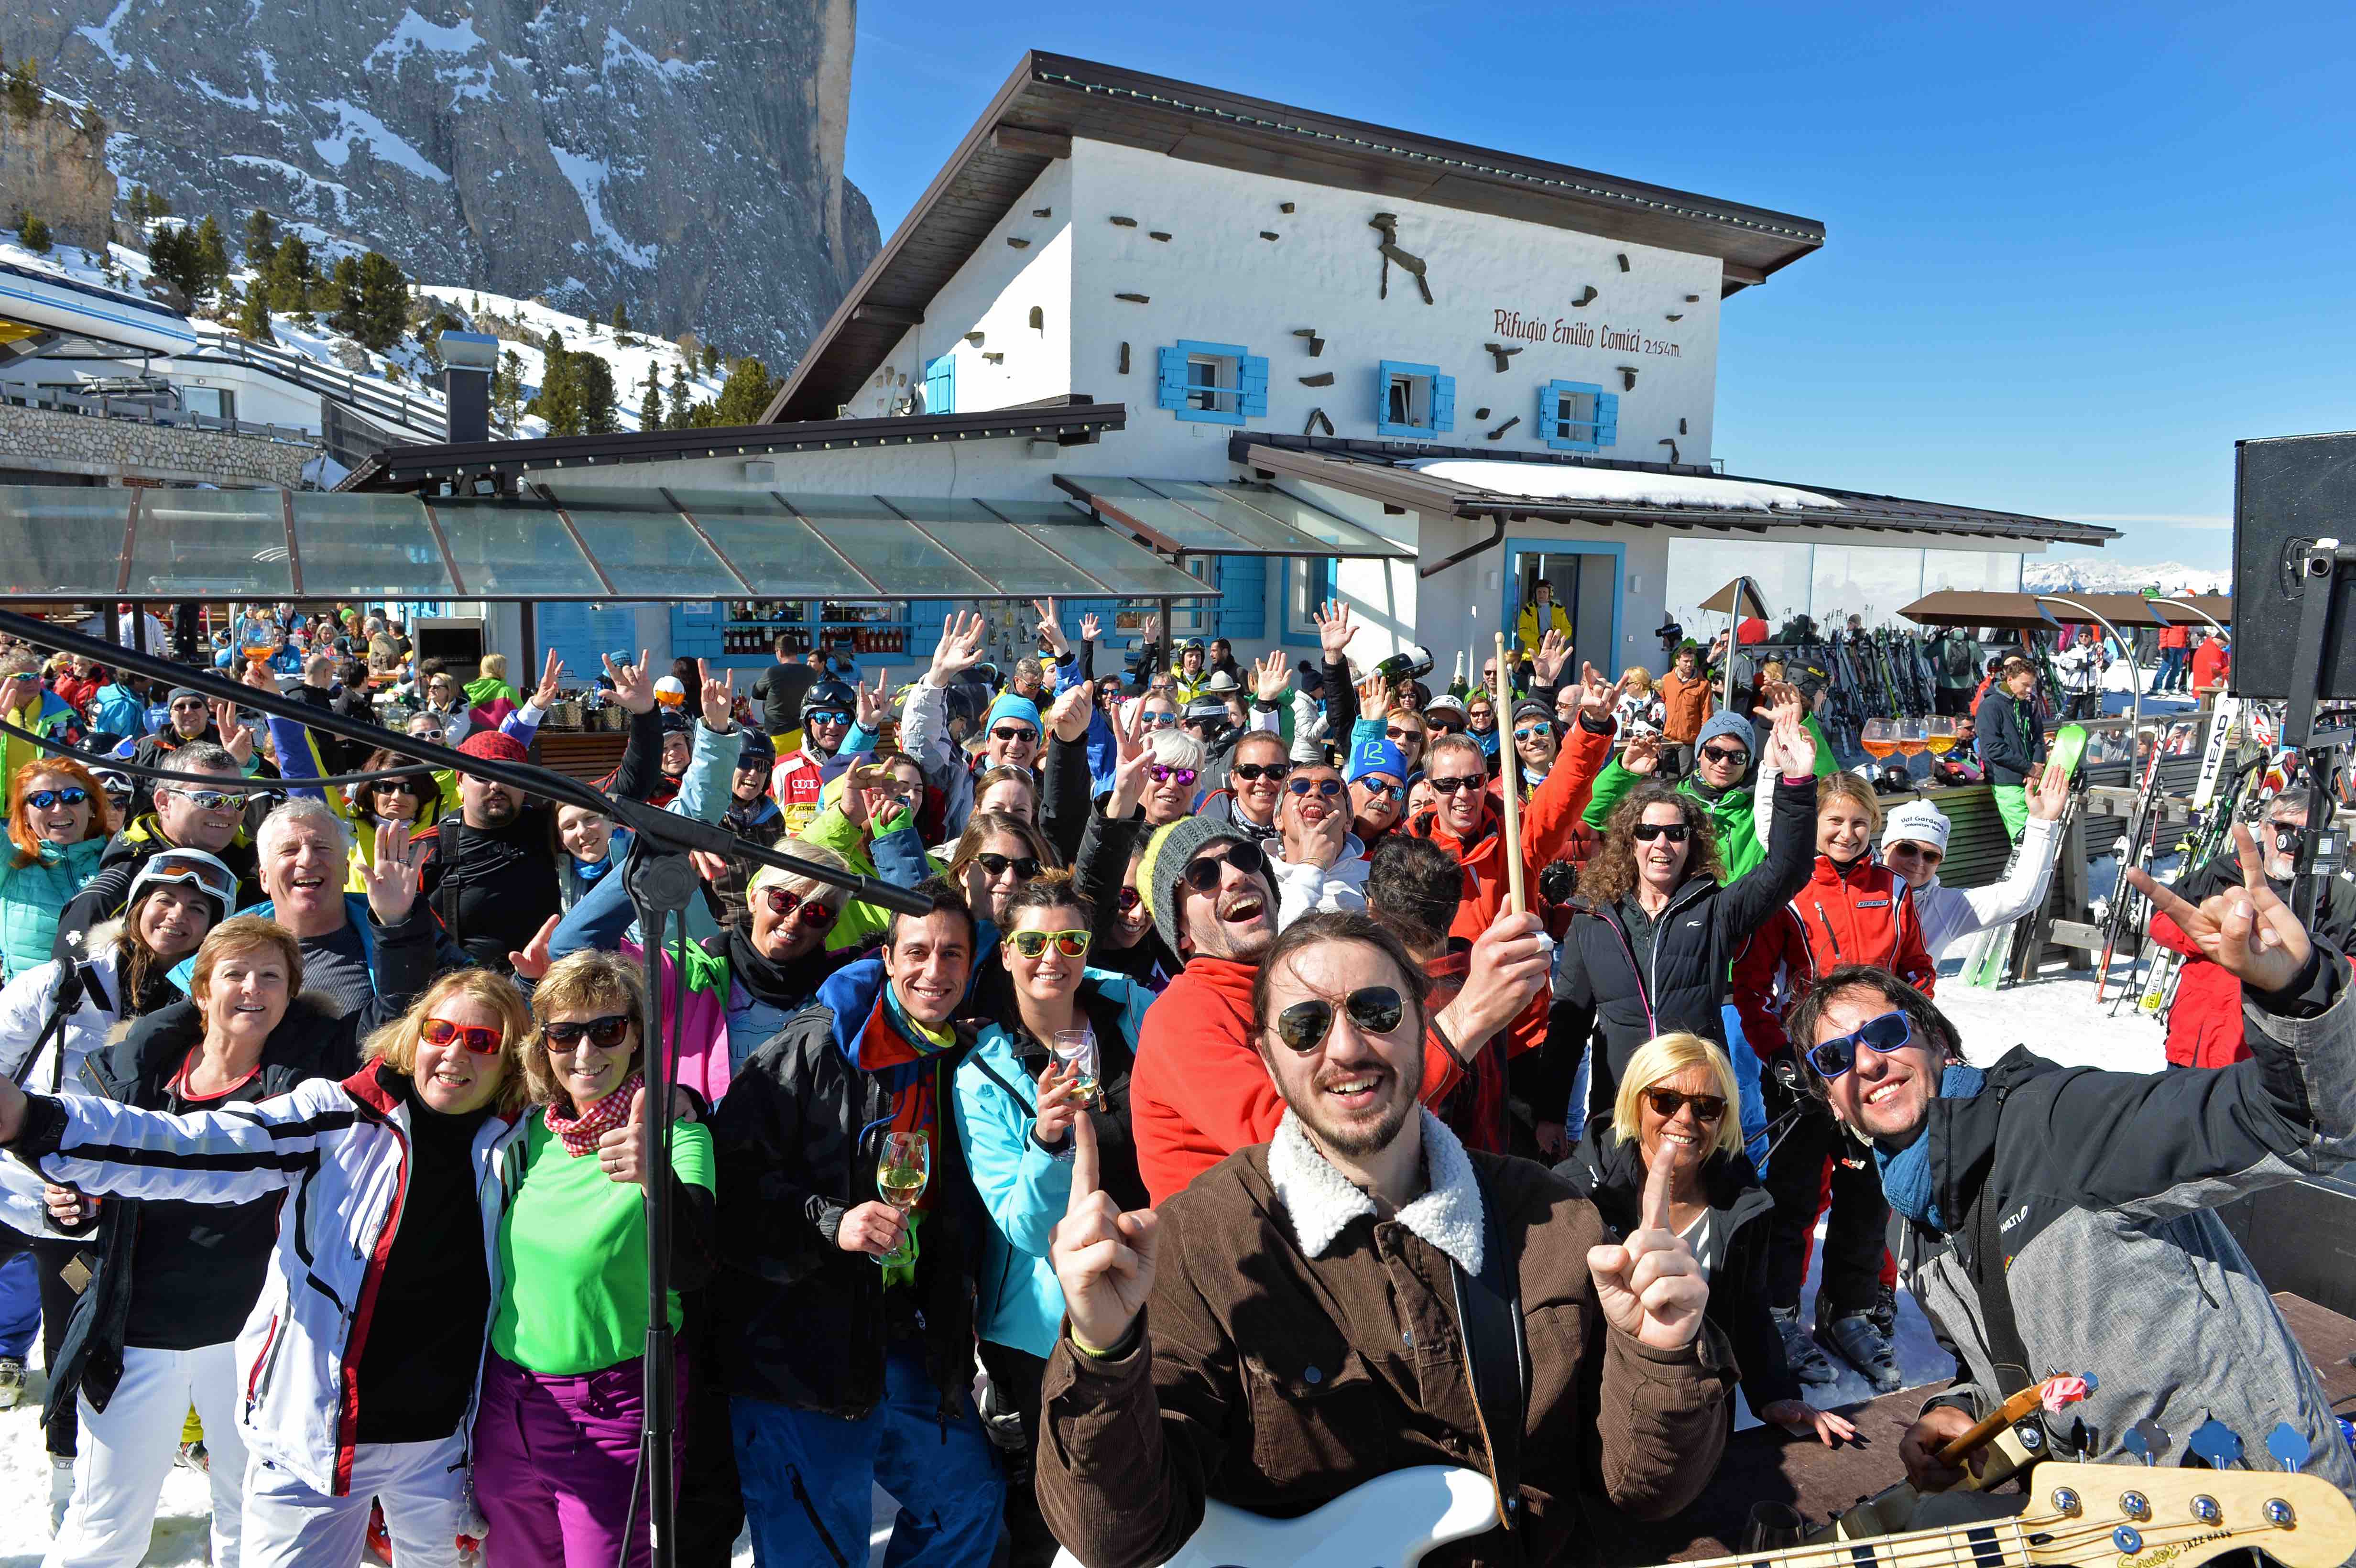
<point>1016,1101</point>
<point>355,1375</point>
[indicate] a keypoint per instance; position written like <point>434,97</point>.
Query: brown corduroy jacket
<point>1276,1382</point>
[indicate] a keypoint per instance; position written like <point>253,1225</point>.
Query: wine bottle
<point>1407,664</point>
<point>1456,687</point>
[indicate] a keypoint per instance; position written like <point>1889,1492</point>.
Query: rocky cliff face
<point>682,157</point>
<point>55,169</point>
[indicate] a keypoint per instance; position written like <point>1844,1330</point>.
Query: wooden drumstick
<point>1516,901</point>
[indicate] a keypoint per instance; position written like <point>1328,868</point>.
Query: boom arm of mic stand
<point>666,828</point>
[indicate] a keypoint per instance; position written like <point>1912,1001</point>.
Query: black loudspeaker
<point>2288,492</point>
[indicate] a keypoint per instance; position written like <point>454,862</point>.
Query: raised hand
<point>1553,653</point>
<point>1103,1258</point>
<point>1374,696</point>
<point>1648,1285</point>
<point>1270,675</point>
<point>1073,711</point>
<point>533,960</point>
<point>872,706</point>
<point>2247,931</point>
<point>391,878</point>
<point>236,738</point>
<point>1791,736</point>
<point>1153,631</point>
<point>958,650</point>
<point>1059,1102</point>
<point>1091,627</point>
<point>619,1149</point>
<point>1051,631</point>
<point>2048,793</point>
<point>718,698</point>
<point>1130,764</point>
<point>1641,756</point>
<point>634,684</point>
<point>1333,629</point>
<point>1511,961</point>
<point>1596,693</point>
<point>551,671</point>
<point>258,677</point>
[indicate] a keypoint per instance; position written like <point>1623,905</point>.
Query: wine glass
<point>1880,738</point>
<point>902,1170</point>
<point>1772,1527</point>
<point>1076,1048</point>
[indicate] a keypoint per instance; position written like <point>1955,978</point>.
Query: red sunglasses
<point>480,1038</point>
<point>815,914</point>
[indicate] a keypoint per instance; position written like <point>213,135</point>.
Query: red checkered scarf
<point>581,1133</point>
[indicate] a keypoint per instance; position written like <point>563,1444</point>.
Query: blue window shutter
<point>940,385</point>
<point>1607,419</point>
<point>1254,395</point>
<point>1383,425</point>
<point>1243,595</point>
<point>1547,409</point>
<point>1170,393</point>
<point>1443,402</point>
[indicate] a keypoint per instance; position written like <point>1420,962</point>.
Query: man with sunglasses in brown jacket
<point>1362,1295</point>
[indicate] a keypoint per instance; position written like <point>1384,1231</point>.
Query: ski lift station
<point>1142,341</point>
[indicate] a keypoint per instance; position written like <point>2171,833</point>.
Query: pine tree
<point>134,206</point>
<point>261,239</point>
<point>90,122</point>
<point>680,400</point>
<point>621,319</point>
<point>23,90</point>
<point>559,398</point>
<point>34,232</point>
<point>595,376</point>
<point>650,407</point>
<point>288,276</point>
<point>384,310</point>
<point>507,389</point>
<point>744,396</point>
<point>253,316</point>
<point>710,360</point>
<point>345,281</point>
<point>211,255</point>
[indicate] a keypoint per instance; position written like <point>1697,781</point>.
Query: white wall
<point>1216,280</point>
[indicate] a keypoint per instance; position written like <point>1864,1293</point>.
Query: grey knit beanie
<point>1167,853</point>
<point>1728,723</point>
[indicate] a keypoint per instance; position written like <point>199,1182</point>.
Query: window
<point>1577,416</point>
<point>940,385</point>
<point>1309,584</point>
<point>1212,383</point>
<point>1413,400</point>
<point>213,403</point>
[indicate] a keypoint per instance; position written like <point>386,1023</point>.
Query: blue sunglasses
<point>1891,1031</point>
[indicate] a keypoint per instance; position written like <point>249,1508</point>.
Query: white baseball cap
<point>1918,820</point>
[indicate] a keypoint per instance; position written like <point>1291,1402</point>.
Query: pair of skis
<point>1991,961</point>
<point>2141,845</point>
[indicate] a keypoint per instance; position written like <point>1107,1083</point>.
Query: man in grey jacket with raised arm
<point>2057,1219</point>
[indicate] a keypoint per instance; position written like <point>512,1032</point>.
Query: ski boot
<point>1808,1364</point>
<point>12,1382</point>
<point>61,1468</point>
<point>1857,1340</point>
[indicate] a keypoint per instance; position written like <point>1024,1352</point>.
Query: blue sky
<point>2073,254</point>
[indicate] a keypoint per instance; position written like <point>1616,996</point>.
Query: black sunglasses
<point>1025,866</point>
<point>1374,1009</point>
<point>1674,832</point>
<point>1724,754</point>
<point>604,1033</point>
<point>43,799</point>
<point>1248,772</point>
<point>1126,900</point>
<point>1891,1031</point>
<point>1014,732</point>
<point>1450,786</point>
<point>1202,873</point>
<point>1328,788</point>
<point>1667,1103</point>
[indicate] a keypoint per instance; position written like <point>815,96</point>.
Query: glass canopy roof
<point>76,545</point>
<point>1185,518</point>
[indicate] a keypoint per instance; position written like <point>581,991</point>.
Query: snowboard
<point>1991,954</point>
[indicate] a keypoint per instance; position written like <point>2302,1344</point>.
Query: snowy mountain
<point>2096,575</point>
<point>683,158</point>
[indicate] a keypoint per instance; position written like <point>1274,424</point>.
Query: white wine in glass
<point>902,1168</point>
<point>1076,1048</point>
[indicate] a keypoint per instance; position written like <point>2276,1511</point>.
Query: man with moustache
<point>1200,1091</point>
<point>2066,1217</point>
<point>1311,1300</point>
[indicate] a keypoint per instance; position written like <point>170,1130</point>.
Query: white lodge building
<point>1292,355</point>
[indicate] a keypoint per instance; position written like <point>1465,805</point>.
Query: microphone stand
<point>661,881</point>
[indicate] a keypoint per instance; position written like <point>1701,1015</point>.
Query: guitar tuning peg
<point>2215,1442</point>
<point>2148,1440</point>
<point>2289,1446</point>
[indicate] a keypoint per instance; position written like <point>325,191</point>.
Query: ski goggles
<point>1893,1031</point>
<point>481,1039</point>
<point>1033,944</point>
<point>207,875</point>
<point>1374,1009</point>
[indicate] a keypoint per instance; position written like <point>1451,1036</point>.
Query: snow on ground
<point>1613,484</point>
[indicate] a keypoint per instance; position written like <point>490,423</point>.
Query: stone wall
<point>50,165</point>
<point>44,439</point>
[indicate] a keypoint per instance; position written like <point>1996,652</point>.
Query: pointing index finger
<point>1656,1186</point>
<point>2254,870</point>
<point>1084,1163</point>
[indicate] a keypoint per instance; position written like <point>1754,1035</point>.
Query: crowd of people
<point>1245,1114</point>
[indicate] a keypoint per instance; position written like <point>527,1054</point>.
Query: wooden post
<point>1517,901</point>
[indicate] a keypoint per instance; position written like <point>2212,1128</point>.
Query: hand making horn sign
<point>2247,931</point>
<point>1648,1285</point>
<point>1104,1258</point>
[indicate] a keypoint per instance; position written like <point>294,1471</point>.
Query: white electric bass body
<point>1389,1522</point>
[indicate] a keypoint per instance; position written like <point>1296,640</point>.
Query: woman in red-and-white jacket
<point>357,1370</point>
<point>1852,910</point>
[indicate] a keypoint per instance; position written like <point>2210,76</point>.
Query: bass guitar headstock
<point>2132,1516</point>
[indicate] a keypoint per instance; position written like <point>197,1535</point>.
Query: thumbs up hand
<point>1103,1258</point>
<point>618,1149</point>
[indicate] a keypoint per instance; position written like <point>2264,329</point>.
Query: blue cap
<point>1377,756</point>
<point>1012,706</point>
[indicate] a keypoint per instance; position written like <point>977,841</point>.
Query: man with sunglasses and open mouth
<point>2063,1217</point>
<point>1312,1292</point>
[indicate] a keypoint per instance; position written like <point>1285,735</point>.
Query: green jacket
<point>1732,816</point>
<point>897,855</point>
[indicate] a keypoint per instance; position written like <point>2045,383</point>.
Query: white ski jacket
<point>88,1028</point>
<point>343,1149</point>
<point>1950,913</point>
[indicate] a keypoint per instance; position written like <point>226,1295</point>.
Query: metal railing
<point>420,414</point>
<point>150,411</point>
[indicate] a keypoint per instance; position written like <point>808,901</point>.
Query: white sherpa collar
<point>1322,1201</point>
